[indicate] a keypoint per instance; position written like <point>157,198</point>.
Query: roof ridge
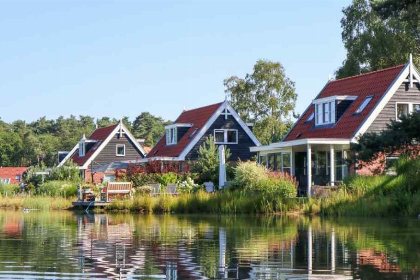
<point>199,108</point>
<point>368,73</point>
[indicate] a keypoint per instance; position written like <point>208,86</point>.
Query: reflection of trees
<point>39,240</point>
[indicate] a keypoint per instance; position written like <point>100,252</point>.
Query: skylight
<point>311,117</point>
<point>364,104</point>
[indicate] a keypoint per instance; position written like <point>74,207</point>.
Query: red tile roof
<point>198,118</point>
<point>364,85</point>
<point>99,135</point>
<point>12,172</point>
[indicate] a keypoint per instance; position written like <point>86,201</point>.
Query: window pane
<point>120,150</point>
<point>219,136</point>
<point>326,113</point>
<point>278,161</point>
<point>231,136</point>
<point>271,161</point>
<point>402,110</point>
<point>416,107</point>
<point>286,160</point>
<point>364,104</point>
<point>287,170</point>
<point>263,160</point>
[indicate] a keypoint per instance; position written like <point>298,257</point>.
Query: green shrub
<point>167,178</point>
<point>249,175</point>
<point>252,177</point>
<point>9,190</point>
<point>58,188</point>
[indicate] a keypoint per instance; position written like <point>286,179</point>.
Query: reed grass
<point>35,202</point>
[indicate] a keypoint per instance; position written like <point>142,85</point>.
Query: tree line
<point>26,144</point>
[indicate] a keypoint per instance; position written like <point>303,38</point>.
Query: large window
<point>120,150</point>
<point>278,161</point>
<point>404,109</point>
<point>325,113</point>
<point>171,136</point>
<point>226,136</point>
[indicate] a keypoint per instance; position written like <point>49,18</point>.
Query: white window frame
<point>225,133</point>
<point>116,150</point>
<point>410,108</point>
<point>171,135</point>
<point>82,148</point>
<point>326,116</point>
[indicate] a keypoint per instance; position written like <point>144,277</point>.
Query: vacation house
<point>12,175</point>
<point>106,146</point>
<point>183,138</point>
<point>316,148</point>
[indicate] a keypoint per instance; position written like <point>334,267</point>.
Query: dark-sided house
<point>184,137</point>
<point>316,148</point>
<point>104,147</point>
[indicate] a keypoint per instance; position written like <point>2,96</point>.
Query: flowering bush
<point>187,185</point>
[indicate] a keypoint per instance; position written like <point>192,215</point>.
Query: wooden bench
<point>118,189</point>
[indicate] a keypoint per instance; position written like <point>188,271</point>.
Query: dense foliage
<point>400,136</point>
<point>254,178</point>
<point>207,164</point>
<point>266,98</point>
<point>26,144</point>
<point>379,34</point>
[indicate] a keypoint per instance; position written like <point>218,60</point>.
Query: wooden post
<point>309,249</point>
<point>332,165</point>
<point>309,168</point>
<point>333,251</point>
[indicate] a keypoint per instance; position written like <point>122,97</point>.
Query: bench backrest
<point>119,186</point>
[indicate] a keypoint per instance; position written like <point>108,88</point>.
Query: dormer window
<point>325,113</point>
<point>171,137</point>
<point>326,108</point>
<point>176,131</point>
<point>82,147</point>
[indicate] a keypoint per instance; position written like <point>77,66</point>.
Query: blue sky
<point>120,58</point>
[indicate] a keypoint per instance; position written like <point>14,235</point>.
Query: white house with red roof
<point>316,148</point>
<point>183,138</point>
<point>103,147</point>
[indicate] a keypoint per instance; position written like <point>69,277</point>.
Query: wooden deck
<point>87,203</point>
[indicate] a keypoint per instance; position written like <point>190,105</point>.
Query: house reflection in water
<point>172,249</point>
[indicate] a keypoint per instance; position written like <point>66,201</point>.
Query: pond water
<point>66,245</point>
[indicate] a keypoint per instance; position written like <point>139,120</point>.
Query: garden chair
<point>155,189</point>
<point>209,186</point>
<point>171,189</point>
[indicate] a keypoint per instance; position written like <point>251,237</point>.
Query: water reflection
<point>63,245</point>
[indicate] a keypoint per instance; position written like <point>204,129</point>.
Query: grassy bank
<point>35,202</point>
<point>202,202</point>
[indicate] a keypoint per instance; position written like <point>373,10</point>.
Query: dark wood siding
<point>404,94</point>
<point>108,154</point>
<point>238,151</point>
